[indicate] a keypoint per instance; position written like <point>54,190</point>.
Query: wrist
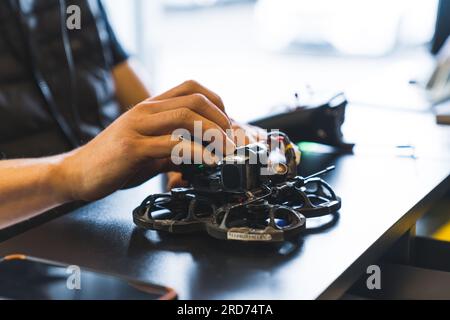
<point>60,178</point>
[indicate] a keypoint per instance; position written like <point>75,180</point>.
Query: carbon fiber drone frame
<point>272,213</point>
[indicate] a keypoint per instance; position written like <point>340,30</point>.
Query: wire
<point>73,97</point>
<point>30,61</point>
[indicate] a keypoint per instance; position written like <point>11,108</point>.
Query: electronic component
<point>254,195</point>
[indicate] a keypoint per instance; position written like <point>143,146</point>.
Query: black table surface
<point>384,192</point>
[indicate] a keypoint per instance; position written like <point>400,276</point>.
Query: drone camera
<point>240,177</point>
<point>241,172</point>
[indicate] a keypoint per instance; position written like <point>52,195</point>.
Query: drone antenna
<point>321,173</point>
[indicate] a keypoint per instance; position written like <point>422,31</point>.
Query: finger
<point>179,151</point>
<point>196,102</point>
<point>168,122</point>
<point>244,134</point>
<point>241,138</point>
<point>191,87</point>
<point>175,180</point>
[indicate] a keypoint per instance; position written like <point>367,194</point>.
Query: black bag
<point>320,124</point>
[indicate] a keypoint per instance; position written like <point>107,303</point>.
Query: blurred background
<point>256,54</point>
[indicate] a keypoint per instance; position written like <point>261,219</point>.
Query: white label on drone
<point>248,236</point>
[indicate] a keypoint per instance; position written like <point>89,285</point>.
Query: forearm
<point>131,83</point>
<point>30,187</point>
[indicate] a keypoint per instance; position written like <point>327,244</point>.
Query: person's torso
<point>27,125</point>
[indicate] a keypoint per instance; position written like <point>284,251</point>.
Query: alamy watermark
<point>374,280</point>
<point>208,147</point>
<point>73,21</point>
<point>74,278</point>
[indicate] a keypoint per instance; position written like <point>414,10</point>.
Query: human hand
<point>139,144</point>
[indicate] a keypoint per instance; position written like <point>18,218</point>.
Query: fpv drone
<point>254,195</point>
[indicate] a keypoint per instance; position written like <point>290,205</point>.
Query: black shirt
<point>32,49</point>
